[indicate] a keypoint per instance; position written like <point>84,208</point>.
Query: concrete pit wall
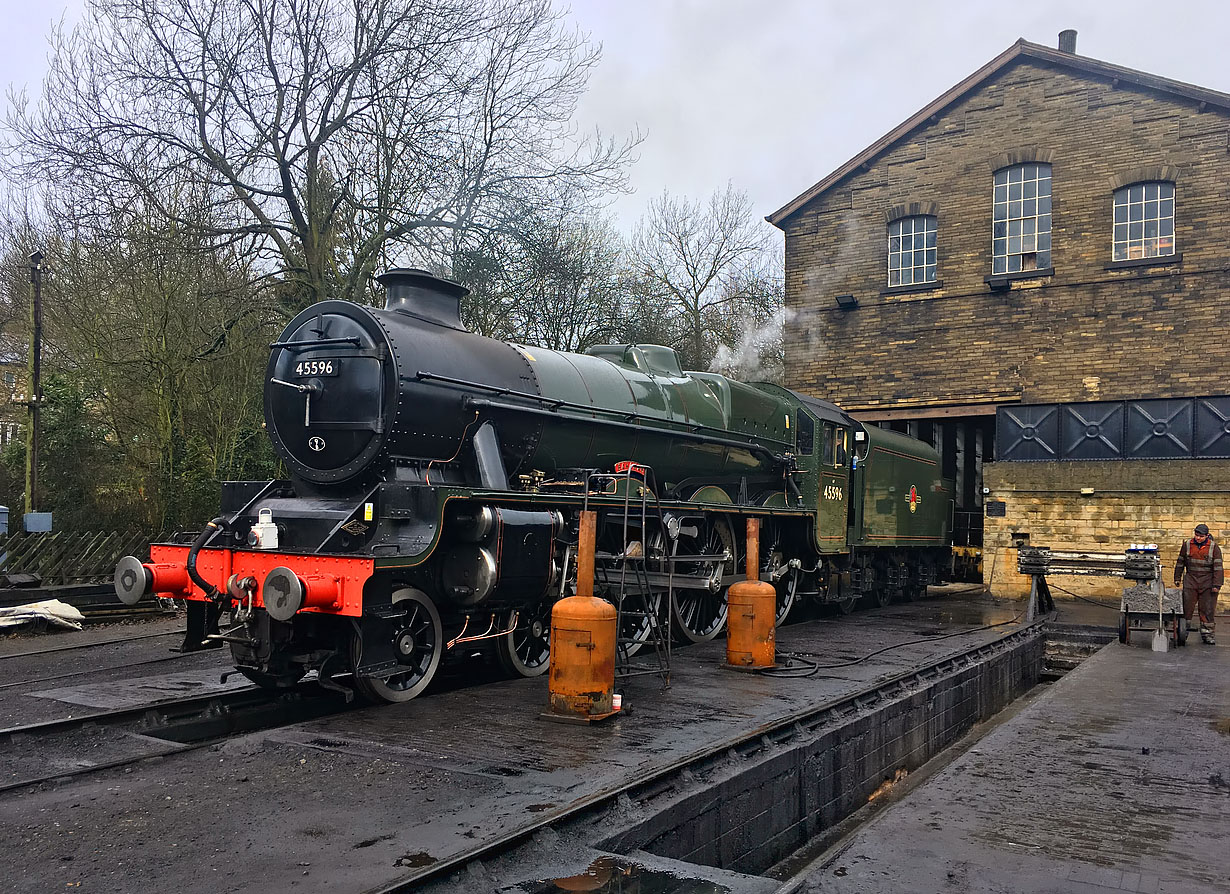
<point>1102,507</point>
<point>759,804</point>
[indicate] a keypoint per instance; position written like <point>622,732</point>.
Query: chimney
<point>1067,41</point>
<point>418,292</point>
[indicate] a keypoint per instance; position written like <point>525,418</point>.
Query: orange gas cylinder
<point>582,671</point>
<point>582,675</point>
<point>751,640</point>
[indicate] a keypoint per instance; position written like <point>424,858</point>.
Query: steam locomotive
<point>436,479</point>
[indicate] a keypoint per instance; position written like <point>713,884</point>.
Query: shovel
<point>1161,642</point>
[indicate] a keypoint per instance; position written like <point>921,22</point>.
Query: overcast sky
<point>772,95</point>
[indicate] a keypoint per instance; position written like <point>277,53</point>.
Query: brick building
<point>1031,273</point>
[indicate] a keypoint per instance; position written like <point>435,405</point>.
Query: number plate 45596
<point>328,367</point>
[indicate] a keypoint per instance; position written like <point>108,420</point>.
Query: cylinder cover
<point>469,574</point>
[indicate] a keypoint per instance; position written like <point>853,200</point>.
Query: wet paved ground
<point>361,799</point>
<point>1116,779</point>
<point>1062,798</point>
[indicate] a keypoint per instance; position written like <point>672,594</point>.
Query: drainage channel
<point>1067,645</point>
<point>727,817</point>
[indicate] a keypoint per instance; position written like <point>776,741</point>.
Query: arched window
<point>1021,220</point>
<point>1143,221</point>
<point>911,250</point>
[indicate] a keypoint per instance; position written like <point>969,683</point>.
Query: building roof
<point>1022,48</point>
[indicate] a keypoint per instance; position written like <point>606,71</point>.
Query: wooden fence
<point>60,557</point>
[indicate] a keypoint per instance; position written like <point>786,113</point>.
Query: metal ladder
<point>625,574</point>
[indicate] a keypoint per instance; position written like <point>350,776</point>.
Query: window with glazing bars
<point>911,250</point>
<point>1144,221</point>
<point>1021,220</point>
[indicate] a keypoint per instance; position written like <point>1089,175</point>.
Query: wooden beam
<point>948,412</point>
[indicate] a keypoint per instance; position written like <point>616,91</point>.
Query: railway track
<point>173,726</point>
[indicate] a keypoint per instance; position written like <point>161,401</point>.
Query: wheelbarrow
<point>1141,610</point>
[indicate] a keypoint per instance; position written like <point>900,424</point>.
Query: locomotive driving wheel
<point>772,562</point>
<point>417,639</point>
<point>700,614</point>
<point>525,651</point>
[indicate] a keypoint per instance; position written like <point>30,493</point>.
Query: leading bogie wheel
<point>283,675</point>
<point>418,642</point>
<point>525,651</point>
<point>1124,627</point>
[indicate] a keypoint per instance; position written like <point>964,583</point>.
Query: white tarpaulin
<point>53,611</point>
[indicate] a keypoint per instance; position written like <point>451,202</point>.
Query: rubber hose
<point>211,592</point>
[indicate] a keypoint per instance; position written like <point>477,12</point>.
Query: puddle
<point>608,875</point>
<point>421,858</point>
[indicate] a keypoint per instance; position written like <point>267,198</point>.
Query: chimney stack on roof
<point>1067,41</point>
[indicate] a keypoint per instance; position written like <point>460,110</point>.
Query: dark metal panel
<point>1091,431</point>
<point>1027,433</point>
<point>1212,440</point>
<point>1159,429</point>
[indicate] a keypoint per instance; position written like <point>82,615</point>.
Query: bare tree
<point>335,135</point>
<point>168,344</point>
<point>569,280</point>
<point>688,255</point>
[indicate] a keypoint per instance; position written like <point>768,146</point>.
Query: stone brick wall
<point>1085,333</point>
<point>1132,501</point>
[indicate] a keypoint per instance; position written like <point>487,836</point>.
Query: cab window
<point>842,446</point>
<point>829,444</point>
<point>806,434</point>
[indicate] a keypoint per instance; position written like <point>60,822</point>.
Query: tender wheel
<point>525,651</point>
<point>418,641</point>
<point>700,615</point>
<point>881,596</point>
<point>914,590</point>
<point>1123,627</point>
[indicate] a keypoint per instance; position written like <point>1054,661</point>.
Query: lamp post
<point>34,387</point>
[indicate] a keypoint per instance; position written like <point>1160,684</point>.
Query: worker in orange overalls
<point>1199,571</point>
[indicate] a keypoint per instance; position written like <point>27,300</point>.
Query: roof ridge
<point>1021,47</point>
